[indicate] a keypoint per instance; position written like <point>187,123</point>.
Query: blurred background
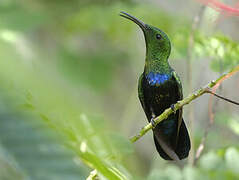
<point>68,89</point>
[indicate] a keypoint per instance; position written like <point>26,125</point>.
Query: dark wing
<point>183,145</point>
<point>180,95</point>
<point>140,91</point>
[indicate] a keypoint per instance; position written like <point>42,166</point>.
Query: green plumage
<point>159,87</point>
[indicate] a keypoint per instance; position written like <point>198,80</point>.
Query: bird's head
<point>157,42</point>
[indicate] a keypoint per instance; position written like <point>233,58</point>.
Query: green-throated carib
<point>159,87</point>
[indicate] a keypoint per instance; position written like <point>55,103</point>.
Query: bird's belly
<point>161,97</point>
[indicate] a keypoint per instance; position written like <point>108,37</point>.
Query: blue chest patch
<point>157,78</point>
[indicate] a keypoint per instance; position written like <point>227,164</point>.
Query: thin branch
<point>183,102</point>
<point>223,98</point>
<point>211,112</point>
<point>195,24</point>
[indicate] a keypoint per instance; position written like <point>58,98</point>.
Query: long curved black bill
<point>134,19</point>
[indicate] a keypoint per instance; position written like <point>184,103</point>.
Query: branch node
<point>213,82</point>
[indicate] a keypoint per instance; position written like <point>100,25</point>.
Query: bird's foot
<point>153,122</point>
<point>173,108</point>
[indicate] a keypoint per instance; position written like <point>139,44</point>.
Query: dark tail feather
<point>183,145</point>
<point>160,150</point>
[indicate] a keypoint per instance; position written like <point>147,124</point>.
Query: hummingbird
<point>159,87</point>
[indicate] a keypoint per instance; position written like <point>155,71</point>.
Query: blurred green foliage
<point>222,50</point>
<point>67,70</point>
<point>213,165</point>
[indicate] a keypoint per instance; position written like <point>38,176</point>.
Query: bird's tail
<point>182,149</point>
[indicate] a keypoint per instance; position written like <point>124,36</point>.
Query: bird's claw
<point>173,108</point>
<point>153,122</point>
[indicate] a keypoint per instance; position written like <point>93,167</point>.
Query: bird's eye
<point>158,36</point>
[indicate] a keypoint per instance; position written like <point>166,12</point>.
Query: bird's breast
<point>160,91</point>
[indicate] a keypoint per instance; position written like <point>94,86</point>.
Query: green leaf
<point>122,146</point>
<point>221,49</point>
<point>210,161</point>
<point>232,159</point>
<point>191,173</point>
